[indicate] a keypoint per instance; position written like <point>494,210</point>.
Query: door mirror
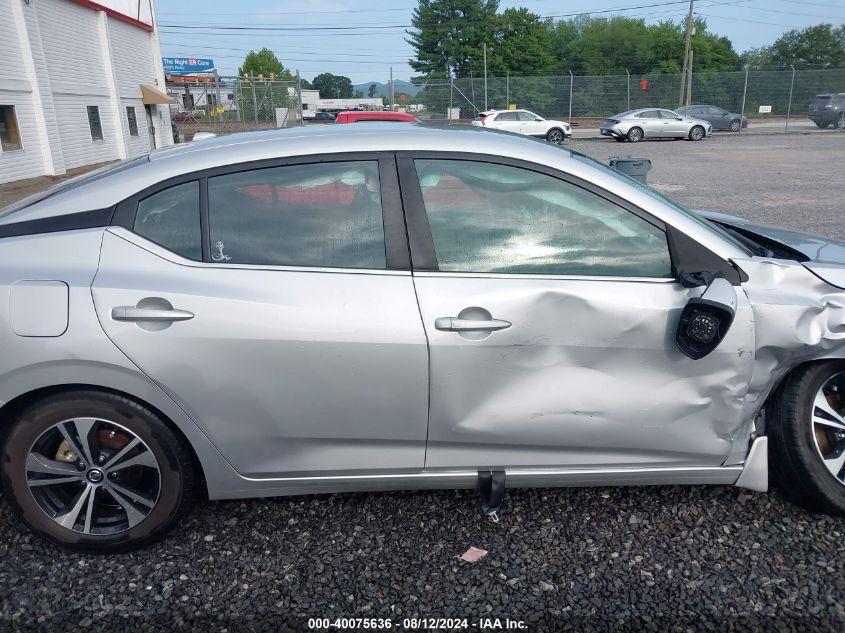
<point>706,319</point>
<point>678,117</point>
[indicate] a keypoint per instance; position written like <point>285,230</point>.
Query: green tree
<point>358,94</point>
<point>757,58</point>
<point>371,91</point>
<point>447,35</point>
<point>333,86</point>
<point>264,62</point>
<point>520,44</point>
<point>820,46</point>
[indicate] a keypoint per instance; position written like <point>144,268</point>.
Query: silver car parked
<point>635,125</point>
<point>340,308</point>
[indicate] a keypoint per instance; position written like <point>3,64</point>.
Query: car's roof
<point>221,151</point>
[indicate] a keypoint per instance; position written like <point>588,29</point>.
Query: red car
<point>355,116</point>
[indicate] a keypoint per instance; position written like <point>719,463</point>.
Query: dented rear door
<point>550,312</point>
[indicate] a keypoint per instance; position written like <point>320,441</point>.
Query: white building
<point>81,82</point>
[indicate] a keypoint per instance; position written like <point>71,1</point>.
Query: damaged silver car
<point>325,309</point>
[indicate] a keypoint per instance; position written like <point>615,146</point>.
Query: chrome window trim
<point>458,274</point>
<point>163,253</point>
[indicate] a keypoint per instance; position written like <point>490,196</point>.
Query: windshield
<point>70,183</point>
<point>713,228</point>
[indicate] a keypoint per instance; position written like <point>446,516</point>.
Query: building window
<point>94,123</point>
<point>133,121</point>
<point>10,135</point>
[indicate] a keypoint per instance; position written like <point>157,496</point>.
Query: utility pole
<point>687,42</point>
<point>485,76</point>
<point>689,77</point>
<point>299,97</point>
<point>390,92</point>
<point>789,105</point>
<point>629,89</point>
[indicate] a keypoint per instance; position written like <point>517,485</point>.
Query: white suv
<point>524,122</point>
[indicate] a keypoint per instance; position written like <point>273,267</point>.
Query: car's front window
<point>493,218</point>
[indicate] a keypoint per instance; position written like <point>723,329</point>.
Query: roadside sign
<point>511,106</point>
<point>185,65</point>
<point>765,109</point>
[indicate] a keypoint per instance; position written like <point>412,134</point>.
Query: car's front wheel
<point>555,136</point>
<point>95,471</point>
<point>696,133</point>
<point>806,429</point>
<point>635,135</point>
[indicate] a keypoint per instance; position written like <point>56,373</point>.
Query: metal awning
<point>151,96</point>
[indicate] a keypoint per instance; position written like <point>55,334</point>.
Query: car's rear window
<point>72,183</point>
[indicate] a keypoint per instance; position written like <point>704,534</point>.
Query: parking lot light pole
<point>744,92</point>
<point>788,105</point>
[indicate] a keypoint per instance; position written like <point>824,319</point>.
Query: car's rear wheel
<point>555,136</point>
<point>696,133</point>
<point>735,125</point>
<point>96,471</point>
<point>806,428</point>
<point>635,135</point>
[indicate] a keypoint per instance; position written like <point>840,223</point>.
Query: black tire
<point>795,463</point>
<point>176,479</point>
<point>619,139</point>
<point>735,125</point>
<point>822,124</point>
<point>556,136</point>
<point>696,133</point>
<point>634,135</point>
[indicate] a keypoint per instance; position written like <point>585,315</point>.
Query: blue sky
<point>362,39</point>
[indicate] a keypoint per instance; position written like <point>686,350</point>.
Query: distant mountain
<point>382,89</point>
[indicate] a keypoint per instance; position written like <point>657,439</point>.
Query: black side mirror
<point>706,319</point>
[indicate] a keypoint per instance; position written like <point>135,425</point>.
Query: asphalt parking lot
<point>655,558</point>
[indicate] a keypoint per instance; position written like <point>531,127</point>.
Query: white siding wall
<point>78,79</point>
<point>59,63</point>
<point>130,47</point>
<point>16,90</point>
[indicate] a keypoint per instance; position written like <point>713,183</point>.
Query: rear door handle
<point>456,324</point>
<point>153,315</point>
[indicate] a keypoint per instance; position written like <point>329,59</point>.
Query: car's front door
<point>532,125</point>
<point>292,337</point>
<point>673,125</point>
<point>551,311</point>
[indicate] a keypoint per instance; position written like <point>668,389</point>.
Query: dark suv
<point>828,109</point>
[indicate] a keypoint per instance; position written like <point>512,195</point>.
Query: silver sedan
<point>335,309</point>
<point>636,125</point>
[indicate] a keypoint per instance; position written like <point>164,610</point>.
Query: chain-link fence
<point>781,93</point>
<point>233,104</point>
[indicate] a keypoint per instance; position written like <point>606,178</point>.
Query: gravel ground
<point>789,180</point>
<point>659,558</point>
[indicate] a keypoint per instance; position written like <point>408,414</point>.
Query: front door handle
<point>457,324</point>
<point>152,315</point>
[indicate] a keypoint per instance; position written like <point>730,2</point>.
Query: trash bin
<point>636,168</point>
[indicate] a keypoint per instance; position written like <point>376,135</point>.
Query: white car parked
<point>524,122</point>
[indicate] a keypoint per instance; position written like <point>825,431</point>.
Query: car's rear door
<point>508,121</point>
<point>651,123</point>
<point>551,312</point>
<point>274,303</point>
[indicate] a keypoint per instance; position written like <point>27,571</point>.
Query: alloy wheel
<point>828,425</point>
<point>93,476</point>
<point>697,133</point>
<point>555,136</point>
<point>735,125</point>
